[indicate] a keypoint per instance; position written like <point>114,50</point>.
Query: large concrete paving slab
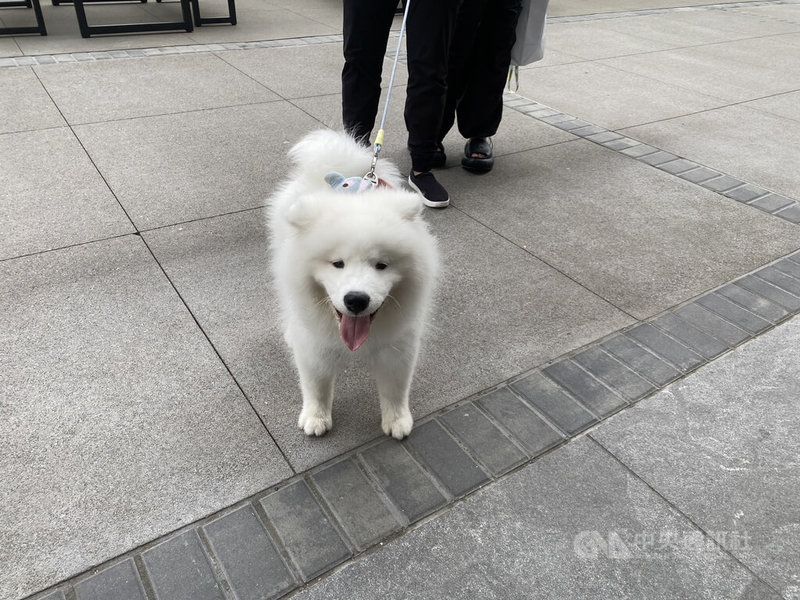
<point>722,446</point>
<point>734,71</point>
<point>563,8</point>
<point>594,37</point>
<point>676,29</point>
<point>741,140</point>
<point>474,341</point>
<point>24,104</point>
<point>51,194</point>
<point>322,11</point>
<point>792,38</point>
<point>552,57</point>
<point>544,532</point>
<point>751,20</point>
<point>8,47</point>
<point>174,168</point>
<point>591,40</point>
<point>644,100</point>
<point>638,237</point>
<point>277,69</point>
<point>89,92</point>
<point>781,11</point>
<point>119,422</point>
<point>781,105</point>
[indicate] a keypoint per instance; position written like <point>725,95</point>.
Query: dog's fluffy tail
<point>324,151</point>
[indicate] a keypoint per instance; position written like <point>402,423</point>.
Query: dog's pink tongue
<point>354,330</point>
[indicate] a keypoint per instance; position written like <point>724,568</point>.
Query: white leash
<point>370,176</point>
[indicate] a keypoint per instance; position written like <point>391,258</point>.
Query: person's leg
<point>429,30</point>
<point>366,26</point>
<point>468,20</point>
<point>480,108</point>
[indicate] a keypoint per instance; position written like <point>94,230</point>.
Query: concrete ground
<point>607,394</point>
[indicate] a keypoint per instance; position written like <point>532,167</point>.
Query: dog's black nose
<point>355,302</point>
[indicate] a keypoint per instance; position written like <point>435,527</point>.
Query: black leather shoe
<point>478,164</point>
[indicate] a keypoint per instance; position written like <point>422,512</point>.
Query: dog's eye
<point>339,264</point>
<point>380,266</point>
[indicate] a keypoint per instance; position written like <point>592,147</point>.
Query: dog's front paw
<point>398,424</point>
<point>314,423</point>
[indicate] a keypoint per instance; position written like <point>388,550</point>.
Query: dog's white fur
<point>326,244</point>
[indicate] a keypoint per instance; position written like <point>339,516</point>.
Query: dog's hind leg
<point>317,385</point>
<point>393,368</point>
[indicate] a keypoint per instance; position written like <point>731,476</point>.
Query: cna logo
<point>591,544</point>
<point>654,544</point>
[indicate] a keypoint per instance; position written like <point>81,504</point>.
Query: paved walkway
<point>607,394</point>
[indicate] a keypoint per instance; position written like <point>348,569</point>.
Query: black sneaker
<point>432,192</point>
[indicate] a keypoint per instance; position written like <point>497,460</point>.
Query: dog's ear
<point>301,213</point>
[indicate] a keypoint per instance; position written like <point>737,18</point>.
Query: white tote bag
<point>529,46</point>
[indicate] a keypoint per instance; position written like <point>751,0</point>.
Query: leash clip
<point>370,176</point>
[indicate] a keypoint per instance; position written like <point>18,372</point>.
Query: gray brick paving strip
<point>280,539</point>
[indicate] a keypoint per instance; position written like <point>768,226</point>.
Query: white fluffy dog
<point>354,272</point>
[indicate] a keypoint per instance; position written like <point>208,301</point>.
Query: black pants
<point>428,32</point>
<point>480,54</point>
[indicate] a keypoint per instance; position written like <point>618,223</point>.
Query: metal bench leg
<point>37,11</point>
<point>88,30</point>
<point>200,21</point>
